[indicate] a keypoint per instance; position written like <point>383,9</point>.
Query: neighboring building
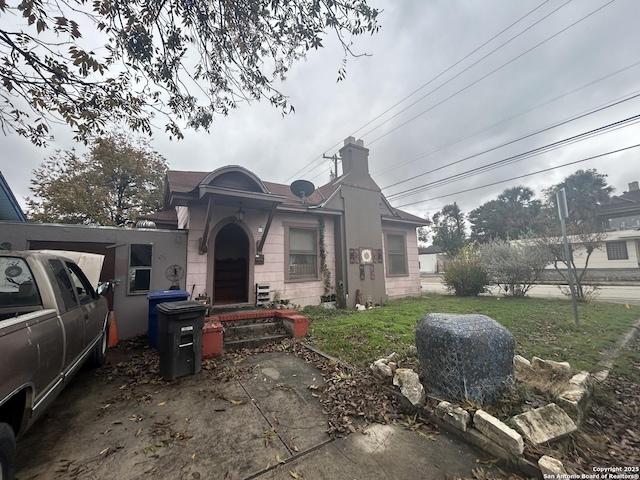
<point>138,260</point>
<point>618,259</point>
<point>623,211</point>
<point>244,232</point>
<point>9,208</point>
<point>432,259</point>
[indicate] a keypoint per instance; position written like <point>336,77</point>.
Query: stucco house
<point>249,238</point>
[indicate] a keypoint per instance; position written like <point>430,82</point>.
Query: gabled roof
<point>9,208</point>
<point>184,182</point>
<point>628,202</point>
<point>431,249</point>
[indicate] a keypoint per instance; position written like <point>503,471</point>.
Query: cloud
<point>417,42</point>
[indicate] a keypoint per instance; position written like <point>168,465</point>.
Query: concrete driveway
<point>254,418</point>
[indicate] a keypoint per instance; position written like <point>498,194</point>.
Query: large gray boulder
<point>465,356</point>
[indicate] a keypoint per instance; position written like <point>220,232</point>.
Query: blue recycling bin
<point>156,298</point>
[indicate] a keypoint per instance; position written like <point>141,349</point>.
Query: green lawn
<point>542,327</point>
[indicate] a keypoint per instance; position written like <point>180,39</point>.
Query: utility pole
<point>334,157</point>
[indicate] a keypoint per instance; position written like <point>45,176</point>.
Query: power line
<point>521,176</point>
<point>525,156</point>
<point>460,61</point>
<point>508,119</point>
<point>510,142</point>
<point>469,67</point>
<point>516,158</point>
<point>490,73</point>
<point>485,76</point>
<point>433,79</point>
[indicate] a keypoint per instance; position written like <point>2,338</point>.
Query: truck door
<point>32,350</point>
<point>88,298</point>
<point>73,316</point>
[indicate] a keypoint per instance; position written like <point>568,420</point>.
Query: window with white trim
<point>396,244</point>
<point>617,251</point>
<point>302,251</point>
<point>140,256</point>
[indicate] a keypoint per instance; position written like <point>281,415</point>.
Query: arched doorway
<point>231,266</point>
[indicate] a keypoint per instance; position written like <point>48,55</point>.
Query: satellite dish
<point>302,188</point>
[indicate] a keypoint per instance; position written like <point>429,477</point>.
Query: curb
<point>607,364</point>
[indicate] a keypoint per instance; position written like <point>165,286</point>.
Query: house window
<point>303,253</point>
<point>396,254</point>
<point>140,268</point>
<point>617,251</point>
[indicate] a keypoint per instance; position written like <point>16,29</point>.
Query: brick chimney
<point>355,163</point>
<point>355,158</point>
<point>633,186</point>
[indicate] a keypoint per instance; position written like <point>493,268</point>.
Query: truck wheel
<point>7,452</point>
<point>99,355</point>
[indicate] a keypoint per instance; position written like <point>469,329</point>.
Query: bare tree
<point>583,241</point>
<point>514,266</point>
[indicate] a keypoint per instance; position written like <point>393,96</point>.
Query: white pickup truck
<point>52,320</point>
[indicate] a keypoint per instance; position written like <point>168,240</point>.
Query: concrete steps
<point>233,330</point>
<point>252,342</point>
<point>253,332</point>
<point>251,329</point>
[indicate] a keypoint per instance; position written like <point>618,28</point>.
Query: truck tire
<point>99,355</point>
<point>7,452</point>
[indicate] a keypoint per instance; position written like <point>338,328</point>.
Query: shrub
<point>514,266</point>
<point>465,275</point>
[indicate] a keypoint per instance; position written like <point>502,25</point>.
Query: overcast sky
<point>458,113</point>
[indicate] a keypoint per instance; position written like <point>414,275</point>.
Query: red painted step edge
<point>212,334</point>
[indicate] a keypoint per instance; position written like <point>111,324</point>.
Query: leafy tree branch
<point>187,60</point>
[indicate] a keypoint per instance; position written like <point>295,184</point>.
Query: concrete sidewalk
<point>381,452</point>
<point>267,424</point>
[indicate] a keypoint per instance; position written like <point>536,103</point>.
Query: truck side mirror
<point>105,287</point>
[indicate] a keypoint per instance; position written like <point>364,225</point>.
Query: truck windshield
<point>17,288</point>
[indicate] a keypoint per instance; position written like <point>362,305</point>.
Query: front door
<point>231,266</point>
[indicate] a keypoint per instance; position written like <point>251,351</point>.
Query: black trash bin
<point>180,337</point>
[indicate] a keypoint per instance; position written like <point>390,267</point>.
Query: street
<point>608,293</point>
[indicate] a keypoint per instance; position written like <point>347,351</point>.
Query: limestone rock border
<point>459,422</point>
<point>498,439</point>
